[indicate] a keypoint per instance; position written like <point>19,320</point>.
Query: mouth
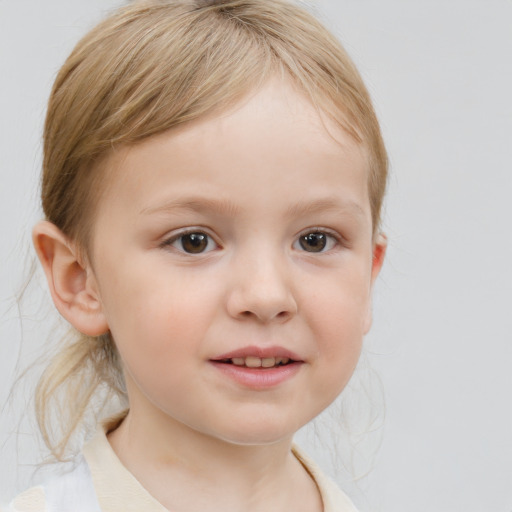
<point>259,368</point>
<point>257,362</point>
<point>259,357</point>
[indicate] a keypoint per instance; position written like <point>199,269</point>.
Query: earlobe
<point>72,284</point>
<point>379,251</point>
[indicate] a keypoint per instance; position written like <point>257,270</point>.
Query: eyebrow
<point>195,204</point>
<point>327,204</point>
<point>228,208</point>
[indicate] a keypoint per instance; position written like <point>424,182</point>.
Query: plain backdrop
<point>440,74</point>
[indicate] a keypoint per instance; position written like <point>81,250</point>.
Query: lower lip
<point>258,378</point>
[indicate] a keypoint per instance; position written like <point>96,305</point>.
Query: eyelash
<point>334,238</point>
<point>169,242</point>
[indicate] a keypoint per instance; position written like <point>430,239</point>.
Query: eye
<point>316,241</point>
<point>194,242</point>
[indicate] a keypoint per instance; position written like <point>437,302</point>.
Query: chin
<point>258,433</point>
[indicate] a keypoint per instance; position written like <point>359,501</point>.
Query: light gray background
<point>440,74</point>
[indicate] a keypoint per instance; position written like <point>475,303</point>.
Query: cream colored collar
<point>117,489</point>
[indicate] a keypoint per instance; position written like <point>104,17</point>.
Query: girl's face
<point>234,262</point>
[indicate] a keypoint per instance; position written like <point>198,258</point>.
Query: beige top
<point>118,490</point>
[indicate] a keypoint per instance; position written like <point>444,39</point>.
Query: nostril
<point>261,304</point>
<point>282,315</point>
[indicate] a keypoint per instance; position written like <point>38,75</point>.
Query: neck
<point>174,462</point>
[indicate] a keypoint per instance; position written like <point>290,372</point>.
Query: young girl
<point>212,183</point>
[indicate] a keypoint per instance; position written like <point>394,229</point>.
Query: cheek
<point>337,318</point>
<point>161,327</point>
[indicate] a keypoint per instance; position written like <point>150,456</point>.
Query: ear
<point>72,283</point>
<point>379,251</point>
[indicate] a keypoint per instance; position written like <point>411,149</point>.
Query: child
<point>212,182</point>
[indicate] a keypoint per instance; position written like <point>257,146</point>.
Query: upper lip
<point>261,352</point>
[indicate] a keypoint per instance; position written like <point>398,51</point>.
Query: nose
<point>262,289</point>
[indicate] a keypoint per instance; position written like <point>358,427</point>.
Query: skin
<point>254,180</point>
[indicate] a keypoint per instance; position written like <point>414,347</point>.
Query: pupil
<point>313,242</point>
<point>194,242</point>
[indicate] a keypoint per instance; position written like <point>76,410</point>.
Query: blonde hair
<point>148,67</point>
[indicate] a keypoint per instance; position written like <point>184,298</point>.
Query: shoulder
<point>333,498</point>
<point>32,500</point>
<point>71,491</point>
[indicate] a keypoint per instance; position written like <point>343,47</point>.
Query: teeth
<point>252,362</point>
<point>258,362</point>
<point>268,362</point>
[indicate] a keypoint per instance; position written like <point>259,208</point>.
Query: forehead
<point>275,137</point>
